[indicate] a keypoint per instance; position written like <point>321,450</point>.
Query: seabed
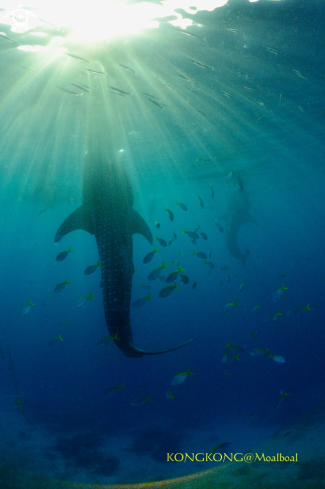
<point>305,438</point>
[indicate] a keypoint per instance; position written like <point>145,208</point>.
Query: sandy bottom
<point>30,459</point>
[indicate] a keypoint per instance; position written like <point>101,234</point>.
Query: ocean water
<point>220,107</point>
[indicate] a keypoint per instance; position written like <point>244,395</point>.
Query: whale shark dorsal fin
<point>140,226</point>
<point>79,219</point>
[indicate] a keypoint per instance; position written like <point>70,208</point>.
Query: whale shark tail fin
<point>132,351</point>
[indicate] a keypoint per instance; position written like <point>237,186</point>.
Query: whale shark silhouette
<point>107,213</point>
<point>238,213</point>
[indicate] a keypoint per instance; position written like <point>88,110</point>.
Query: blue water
<point>277,148</point>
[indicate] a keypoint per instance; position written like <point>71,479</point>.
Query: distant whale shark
<point>238,213</point>
<point>106,212</point>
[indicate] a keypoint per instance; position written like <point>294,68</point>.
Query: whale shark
<point>107,213</point>
<point>238,213</point>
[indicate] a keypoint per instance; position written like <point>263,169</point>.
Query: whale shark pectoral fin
<point>79,219</point>
<point>132,351</point>
<point>140,226</point>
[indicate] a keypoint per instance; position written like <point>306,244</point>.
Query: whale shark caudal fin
<point>131,351</point>
<point>81,219</point>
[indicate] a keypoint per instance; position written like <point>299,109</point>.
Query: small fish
<point>120,91</point>
<point>248,89</point>
<point>185,78</point>
<point>301,108</point>
<point>129,69</point>
<point>201,65</point>
<point>182,206</point>
<point>97,72</point>
<point>219,227</point>
<point>180,378</point>
<point>86,86</point>
<point>171,215</point>
<point>170,242</point>
<point>53,341</point>
<point>209,263</point>
<point>256,308</point>
<point>32,71</point>
<point>192,90</point>
<point>299,74</point>
<point>146,287</point>
<point>19,404</point>
<point>192,35</point>
<point>156,272</point>
<point>80,86</point>
<point>232,30</point>
<point>60,287</point>
<point>175,236</point>
<point>45,301</point>
<point>157,225</point>
<point>117,387</point>
<point>273,51</point>
<point>150,255</point>
<point>242,285</point>
<point>174,275</point>
<point>162,242</point>
<point>226,94</point>
<point>62,256</point>
<point>200,254</point>
<point>224,445</point>
<point>281,97</point>
<point>151,96</point>
<point>167,291</point>
<point>307,308</point>
<point>204,236</point>
<point>194,285</point>
<point>25,310</point>
<point>118,94</point>
<point>277,358</point>
<point>7,38</point>
<point>202,159</point>
<point>279,293</point>
<point>66,322</point>
<point>70,91</point>
<point>107,339</point>
<point>82,301</point>
<point>231,305</point>
<point>212,191</point>
<point>77,57</point>
<point>184,278</point>
<point>246,75</point>
<point>141,302</point>
<point>140,401</point>
<point>260,103</point>
<point>277,316</point>
<point>191,234</point>
<point>201,202</point>
<point>155,103</point>
<point>209,254</point>
<point>257,351</point>
<point>92,268</point>
<point>230,176</point>
<point>170,395</point>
